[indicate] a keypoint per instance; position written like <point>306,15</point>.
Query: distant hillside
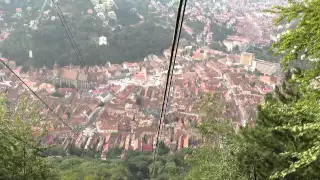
<point>133,40</point>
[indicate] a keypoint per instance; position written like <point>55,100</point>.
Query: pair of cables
<point>172,61</point>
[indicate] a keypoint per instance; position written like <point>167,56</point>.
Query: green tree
<point>88,168</point>
<point>290,119</point>
<point>257,73</point>
<point>114,152</point>
<point>140,164</point>
<point>220,32</point>
<point>55,151</point>
<point>101,104</point>
<point>217,46</point>
<point>90,153</point>
<point>169,166</point>
<point>126,44</point>
<point>73,150</point>
<point>276,145</point>
<point>217,158</point>
<point>56,94</point>
<point>21,157</point>
<point>264,53</point>
<point>139,101</point>
<point>284,143</point>
<point>163,149</point>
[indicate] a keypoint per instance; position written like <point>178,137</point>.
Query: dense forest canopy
<point>137,165</point>
<point>131,38</point>
<point>220,31</point>
<point>264,53</point>
<point>83,164</point>
<point>136,33</point>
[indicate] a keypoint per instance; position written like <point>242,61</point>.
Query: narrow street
<point>93,117</point>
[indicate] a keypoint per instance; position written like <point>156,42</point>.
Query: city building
<point>247,58</point>
<point>266,67</point>
<point>71,77</point>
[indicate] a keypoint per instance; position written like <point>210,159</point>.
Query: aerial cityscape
<point>103,102</point>
<point>112,97</point>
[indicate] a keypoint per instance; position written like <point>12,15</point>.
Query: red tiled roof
<point>140,76</point>
<point>146,147</point>
<point>30,83</point>
<point>238,38</point>
<point>3,59</point>
<point>108,127</point>
<point>105,147</point>
<point>4,35</point>
<point>131,64</point>
<point>197,55</point>
<point>83,77</point>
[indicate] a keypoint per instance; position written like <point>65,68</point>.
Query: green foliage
<point>124,14</point>
<point>170,167</point>
<point>137,165</point>
<point>163,150</point>
<point>217,158</point>
<point>89,153</point>
<point>298,116</point>
<point>101,104</point>
<point>252,84</point>
<point>217,46</point>
<point>257,73</point>
<point>280,145</point>
<point>56,94</point>
<point>220,32</point>
<point>49,42</point>
<point>114,153</point>
<point>264,53</point>
<point>213,163</point>
<point>75,151</point>
<point>24,69</point>
<point>303,38</point>
<point>139,100</point>
<point>78,168</point>
<point>20,154</point>
<point>197,26</point>
<point>284,143</point>
<point>55,151</point>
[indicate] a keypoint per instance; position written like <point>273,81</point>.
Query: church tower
<point>55,69</point>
